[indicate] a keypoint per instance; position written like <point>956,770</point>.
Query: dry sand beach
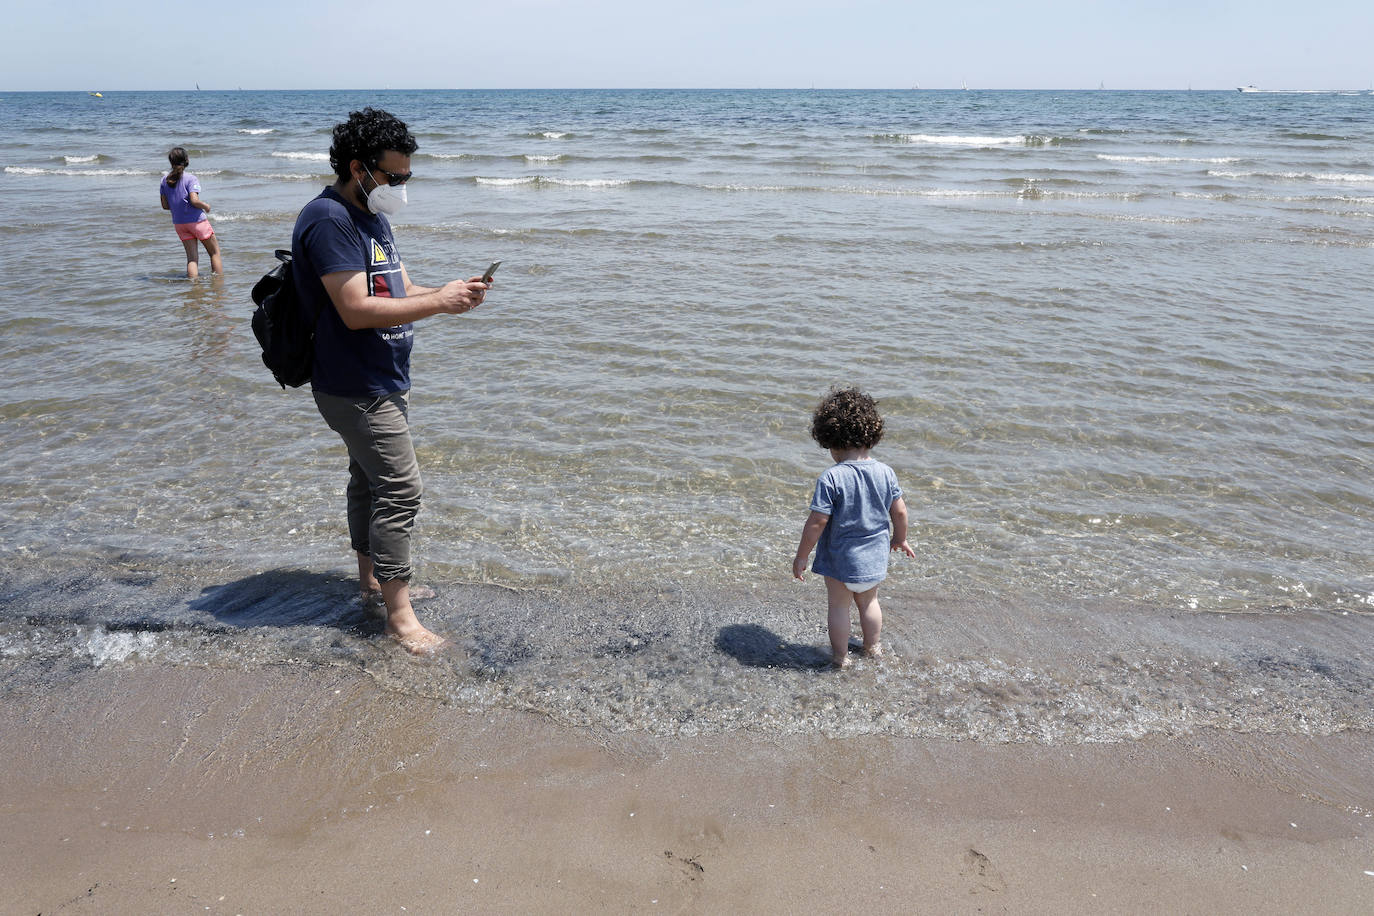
<point>292,791</point>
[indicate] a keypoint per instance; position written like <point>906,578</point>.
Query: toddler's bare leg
<point>870,621</point>
<point>837,597</point>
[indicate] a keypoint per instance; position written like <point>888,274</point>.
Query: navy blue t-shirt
<point>332,235</point>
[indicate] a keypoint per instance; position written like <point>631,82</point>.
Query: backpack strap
<point>284,255</point>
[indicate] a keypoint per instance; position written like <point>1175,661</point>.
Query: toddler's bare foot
<point>840,662</point>
<point>874,651</point>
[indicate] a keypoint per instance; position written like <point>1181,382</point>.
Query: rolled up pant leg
<point>384,477</point>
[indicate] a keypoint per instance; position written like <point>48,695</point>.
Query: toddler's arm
<point>811,533</point>
<point>897,512</point>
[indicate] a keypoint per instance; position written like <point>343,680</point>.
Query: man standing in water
<point>347,268</point>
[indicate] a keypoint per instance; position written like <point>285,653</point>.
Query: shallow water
<point>1121,340</point>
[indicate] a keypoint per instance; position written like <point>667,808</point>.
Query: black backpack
<point>283,327</point>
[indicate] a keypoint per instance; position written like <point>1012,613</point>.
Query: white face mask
<point>385,199</point>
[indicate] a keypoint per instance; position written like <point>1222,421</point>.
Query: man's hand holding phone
<point>466,295</point>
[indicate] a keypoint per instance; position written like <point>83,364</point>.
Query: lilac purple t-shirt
<point>179,198</point>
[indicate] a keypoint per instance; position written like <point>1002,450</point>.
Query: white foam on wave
<point>763,188</point>
<point>558,182</point>
<point>1132,218</point>
<point>852,189</point>
<point>1215,160</point>
<point>1030,193</point>
<point>96,173</point>
<point>1305,199</point>
<point>508,182</point>
<point>250,217</point>
<point>961,140</point>
<point>308,157</point>
<point>257,130</point>
<point>284,176</point>
<point>553,158</point>
<point>587,182</point>
<point>1295,176</point>
<point>553,135</point>
<point>106,648</point>
<point>72,160</point>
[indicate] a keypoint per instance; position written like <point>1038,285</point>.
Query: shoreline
<point>299,788</point>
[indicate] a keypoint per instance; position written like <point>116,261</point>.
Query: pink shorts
<point>188,231</point>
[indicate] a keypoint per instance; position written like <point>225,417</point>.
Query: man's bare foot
<point>421,643</point>
<point>401,622</point>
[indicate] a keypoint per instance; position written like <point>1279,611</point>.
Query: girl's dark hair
<point>179,160</point>
<point>366,136</point>
<point>847,418</point>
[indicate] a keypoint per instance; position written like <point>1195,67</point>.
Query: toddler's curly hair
<point>847,418</point>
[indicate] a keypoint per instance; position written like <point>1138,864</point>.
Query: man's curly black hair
<point>366,136</point>
<point>847,418</point>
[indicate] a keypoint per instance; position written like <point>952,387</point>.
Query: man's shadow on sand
<point>759,647</point>
<point>287,598</point>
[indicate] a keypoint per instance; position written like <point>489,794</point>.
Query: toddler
<point>853,503</point>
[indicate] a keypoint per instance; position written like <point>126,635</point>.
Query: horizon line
<point>916,88</point>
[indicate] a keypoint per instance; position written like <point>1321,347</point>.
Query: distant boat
<point>97,95</point>
<point>1251,88</point>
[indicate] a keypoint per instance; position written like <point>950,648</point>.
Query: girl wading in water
<point>180,192</point>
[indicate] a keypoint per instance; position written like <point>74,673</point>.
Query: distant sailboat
<point>965,85</point>
<point>97,95</point>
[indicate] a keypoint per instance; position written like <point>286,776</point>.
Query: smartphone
<point>486,277</point>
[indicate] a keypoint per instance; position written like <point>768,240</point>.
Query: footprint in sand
<point>690,867</point>
<point>979,868</point>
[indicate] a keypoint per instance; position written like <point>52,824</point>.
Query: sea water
<point>1121,340</point>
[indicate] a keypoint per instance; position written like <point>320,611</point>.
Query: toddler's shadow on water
<point>759,647</point>
<point>287,598</point>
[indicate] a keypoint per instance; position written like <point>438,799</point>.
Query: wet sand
<point>295,789</point>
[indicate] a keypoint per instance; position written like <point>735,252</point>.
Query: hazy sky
<point>455,44</point>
